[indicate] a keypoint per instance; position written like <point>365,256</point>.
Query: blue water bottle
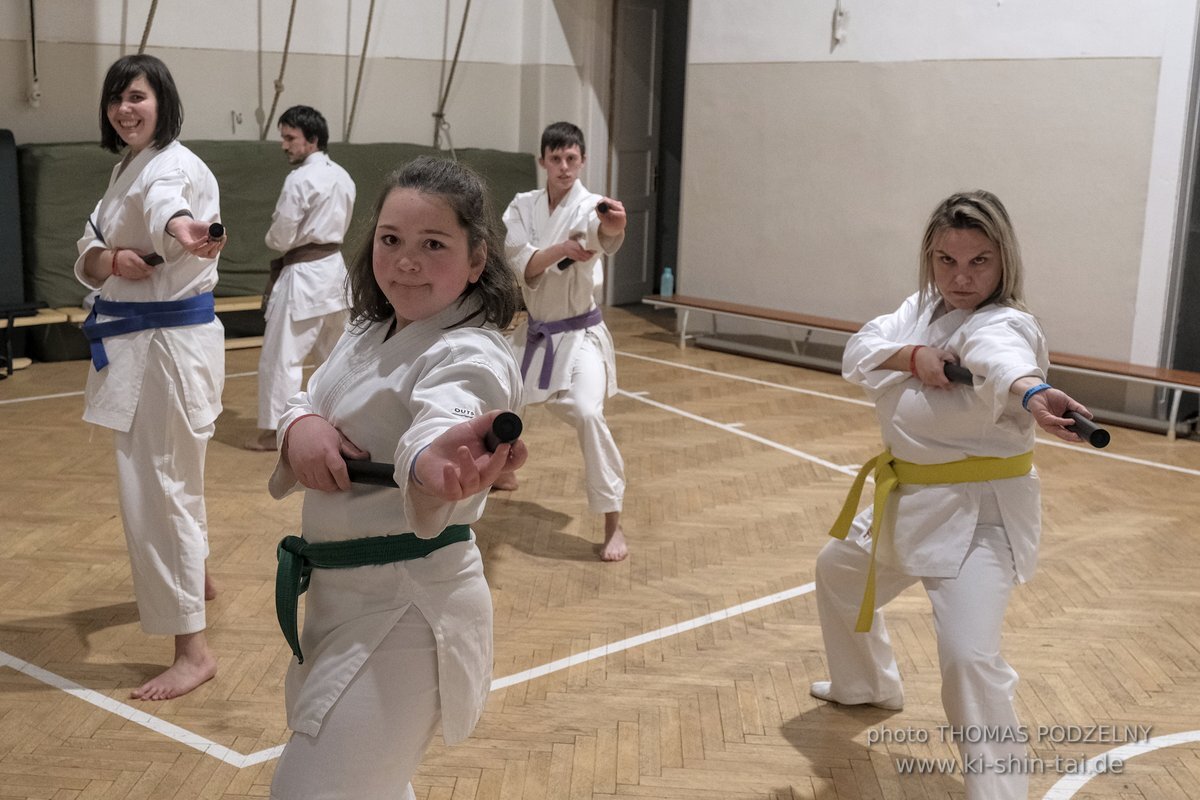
<point>666,286</point>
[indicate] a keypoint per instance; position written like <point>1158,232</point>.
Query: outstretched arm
<point>1048,407</point>
<point>458,464</point>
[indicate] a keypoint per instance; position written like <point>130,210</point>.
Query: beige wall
<point>811,192</point>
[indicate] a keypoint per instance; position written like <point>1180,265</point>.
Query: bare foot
<point>507,482</point>
<point>210,588</point>
<point>614,547</point>
<point>264,442</point>
<point>194,664</point>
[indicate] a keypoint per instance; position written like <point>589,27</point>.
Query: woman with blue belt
<point>158,357</point>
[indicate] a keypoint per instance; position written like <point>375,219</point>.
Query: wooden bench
<point>719,308</point>
<point>76,315</point>
<point>1175,380</point>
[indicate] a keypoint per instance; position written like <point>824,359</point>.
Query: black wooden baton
<point>602,207</point>
<point>506,428</point>
<point>1084,428</point>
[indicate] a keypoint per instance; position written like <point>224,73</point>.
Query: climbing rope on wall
<point>362,60</point>
<point>35,93</point>
<point>149,24</point>
<point>287,45</point>
<point>440,123</point>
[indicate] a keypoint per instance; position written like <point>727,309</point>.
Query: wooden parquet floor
<point>679,673</point>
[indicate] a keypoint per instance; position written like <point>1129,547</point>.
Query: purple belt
<point>540,332</point>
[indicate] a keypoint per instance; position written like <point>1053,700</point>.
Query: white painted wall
<point>813,188</point>
<point>523,64</point>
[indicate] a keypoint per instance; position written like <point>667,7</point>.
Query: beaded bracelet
<point>1041,387</point>
<point>912,360</point>
<point>113,269</point>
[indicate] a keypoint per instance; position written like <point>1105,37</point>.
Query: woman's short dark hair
<point>466,195</point>
<point>170,108</point>
<point>309,122</point>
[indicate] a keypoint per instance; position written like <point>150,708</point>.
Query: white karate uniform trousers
<point>978,686</point>
<point>582,407</point>
<point>286,345</point>
<point>160,478</point>
<point>372,739</point>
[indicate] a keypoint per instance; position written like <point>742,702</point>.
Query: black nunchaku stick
<point>506,429</point>
<point>215,231</point>
<point>1087,430</point>
<point>602,207</point>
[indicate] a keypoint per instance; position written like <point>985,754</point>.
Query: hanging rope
<point>440,124</point>
<point>33,40</point>
<point>149,23</point>
<point>287,45</point>
<point>362,60</point>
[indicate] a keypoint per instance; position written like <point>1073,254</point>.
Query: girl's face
<point>420,256</point>
<point>134,115</point>
<point>966,267</point>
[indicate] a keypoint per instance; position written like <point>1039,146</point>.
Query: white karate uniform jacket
<point>392,398</point>
<point>559,294</point>
<point>314,207</point>
<point>133,214</point>
<point>928,529</point>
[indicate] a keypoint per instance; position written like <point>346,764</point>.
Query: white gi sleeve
<point>165,196</point>
<point>518,248</point>
<point>875,343</point>
<point>1000,353</point>
<point>89,241</point>
<point>283,480</point>
<point>460,386</point>
<point>289,213</point>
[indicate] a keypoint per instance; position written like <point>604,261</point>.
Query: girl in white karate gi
<point>389,649</point>
<point>966,529</point>
<point>157,380</point>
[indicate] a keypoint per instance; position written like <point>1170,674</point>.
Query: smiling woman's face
<point>134,115</point>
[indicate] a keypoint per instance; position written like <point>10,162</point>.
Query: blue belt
<point>134,317</point>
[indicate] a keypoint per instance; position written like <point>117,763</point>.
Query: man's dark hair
<point>170,108</point>
<point>561,135</point>
<point>308,121</point>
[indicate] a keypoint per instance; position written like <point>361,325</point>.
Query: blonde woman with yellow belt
<point>957,503</point>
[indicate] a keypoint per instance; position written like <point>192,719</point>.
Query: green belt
<point>890,472</point>
<point>298,558</point>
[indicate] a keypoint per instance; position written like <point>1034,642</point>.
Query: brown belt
<point>305,252</point>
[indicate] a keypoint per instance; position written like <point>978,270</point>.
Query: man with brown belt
<point>305,300</point>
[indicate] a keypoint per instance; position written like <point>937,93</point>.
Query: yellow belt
<point>890,472</point>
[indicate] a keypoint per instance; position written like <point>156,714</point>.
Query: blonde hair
<point>981,211</point>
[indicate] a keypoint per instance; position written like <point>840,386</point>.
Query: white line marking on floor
<point>1069,785</point>
<point>1089,451</point>
<point>744,379</point>
<point>241,761</point>
<point>171,731</point>
<point>650,636</point>
<point>744,434</point>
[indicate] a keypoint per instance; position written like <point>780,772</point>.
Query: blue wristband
<point>1041,387</point>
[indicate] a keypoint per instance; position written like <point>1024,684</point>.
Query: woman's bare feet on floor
<point>264,442</point>
<point>194,664</point>
<point>614,547</point>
